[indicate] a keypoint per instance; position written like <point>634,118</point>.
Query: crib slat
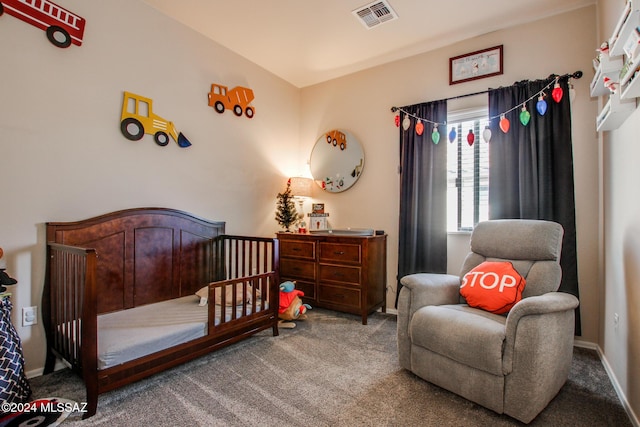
<point>70,281</point>
<point>250,267</point>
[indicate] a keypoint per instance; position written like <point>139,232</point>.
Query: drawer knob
<point>339,252</point>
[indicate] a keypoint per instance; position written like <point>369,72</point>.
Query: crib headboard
<point>145,255</point>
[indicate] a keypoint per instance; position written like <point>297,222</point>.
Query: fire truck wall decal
<point>138,118</point>
<point>237,99</point>
<point>62,26</point>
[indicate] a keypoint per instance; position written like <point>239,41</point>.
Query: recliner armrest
<point>432,289</point>
<point>542,308</point>
<point>419,290</point>
<point>541,304</point>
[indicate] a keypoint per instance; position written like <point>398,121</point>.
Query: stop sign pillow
<point>493,286</point>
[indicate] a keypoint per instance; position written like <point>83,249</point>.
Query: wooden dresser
<point>343,273</point>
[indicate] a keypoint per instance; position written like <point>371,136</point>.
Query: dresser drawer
<point>339,295</point>
<point>298,249</point>
<point>298,269</point>
<point>339,273</point>
<point>340,252</point>
<point>308,288</point>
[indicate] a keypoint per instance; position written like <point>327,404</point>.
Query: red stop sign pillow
<point>493,286</point>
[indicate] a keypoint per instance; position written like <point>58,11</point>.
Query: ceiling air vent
<point>375,13</point>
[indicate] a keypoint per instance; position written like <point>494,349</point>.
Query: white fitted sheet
<point>129,334</point>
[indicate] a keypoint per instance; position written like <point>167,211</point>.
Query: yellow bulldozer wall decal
<point>137,118</point>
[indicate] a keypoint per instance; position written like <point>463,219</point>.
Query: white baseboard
<point>38,372</point>
<point>616,385</point>
<point>585,344</point>
<point>392,311</point>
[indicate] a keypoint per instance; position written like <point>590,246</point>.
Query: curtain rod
<point>576,75</point>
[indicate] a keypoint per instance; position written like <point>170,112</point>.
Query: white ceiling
<point>310,41</point>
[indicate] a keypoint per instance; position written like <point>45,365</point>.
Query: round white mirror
<point>336,161</point>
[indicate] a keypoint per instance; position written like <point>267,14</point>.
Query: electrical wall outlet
<point>29,316</point>
<point>616,321</point>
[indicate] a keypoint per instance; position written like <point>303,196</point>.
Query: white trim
<point>40,371</point>
<point>585,344</point>
<point>462,232</point>
<point>612,377</point>
<point>616,385</point>
<point>465,114</point>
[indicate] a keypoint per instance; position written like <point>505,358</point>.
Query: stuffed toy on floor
<point>291,306</point>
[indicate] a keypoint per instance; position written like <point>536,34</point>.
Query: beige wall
<point>64,158</point>
<point>361,104</point>
<point>621,227</point>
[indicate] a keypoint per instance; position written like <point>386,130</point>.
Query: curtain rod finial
<point>577,74</point>
<point>394,109</point>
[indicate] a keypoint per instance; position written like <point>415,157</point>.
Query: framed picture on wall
<point>475,65</point>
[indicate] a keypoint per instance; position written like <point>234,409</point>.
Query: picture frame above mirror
<point>476,65</point>
<point>337,160</point>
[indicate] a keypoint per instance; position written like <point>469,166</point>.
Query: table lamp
<point>301,189</point>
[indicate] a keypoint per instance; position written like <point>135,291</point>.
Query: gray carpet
<point>329,371</point>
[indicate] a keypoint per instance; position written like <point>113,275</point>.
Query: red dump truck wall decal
<point>62,26</point>
<point>337,138</point>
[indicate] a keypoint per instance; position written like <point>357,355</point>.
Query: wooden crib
<point>107,279</point>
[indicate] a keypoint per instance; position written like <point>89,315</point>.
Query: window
<point>467,170</point>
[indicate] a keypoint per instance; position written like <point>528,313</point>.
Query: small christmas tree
<point>286,215</point>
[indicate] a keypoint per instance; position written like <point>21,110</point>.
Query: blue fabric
<point>14,386</point>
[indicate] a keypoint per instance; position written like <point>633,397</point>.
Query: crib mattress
<point>129,334</point>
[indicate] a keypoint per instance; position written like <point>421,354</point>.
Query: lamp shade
<point>300,186</point>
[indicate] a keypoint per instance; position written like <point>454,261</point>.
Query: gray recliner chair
<point>513,363</point>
